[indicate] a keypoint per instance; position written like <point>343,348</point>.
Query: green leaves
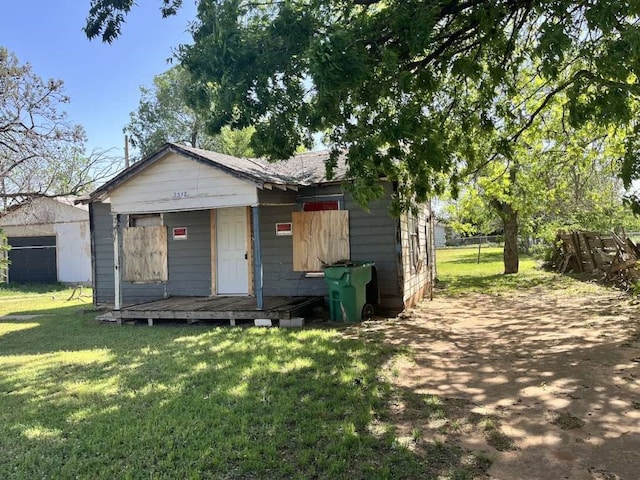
<point>553,44</point>
<point>164,115</point>
<point>107,16</point>
<point>446,86</point>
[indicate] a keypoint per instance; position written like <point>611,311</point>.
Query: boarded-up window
<point>145,220</point>
<point>319,238</point>
<point>414,244</point>
<point>427,241</point>
<point>145,254</point>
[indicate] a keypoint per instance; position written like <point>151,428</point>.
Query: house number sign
<point>180,195</point>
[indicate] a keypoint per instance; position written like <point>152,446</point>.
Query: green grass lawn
<point>459,271</point>
<point>87,400</point>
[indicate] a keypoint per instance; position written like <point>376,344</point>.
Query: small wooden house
<point>50,241</point>
<point>185,223</point>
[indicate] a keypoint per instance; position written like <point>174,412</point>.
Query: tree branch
<point>550,96</point>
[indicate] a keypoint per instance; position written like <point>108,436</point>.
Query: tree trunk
<point>511,257</point>
<point>509,218</point>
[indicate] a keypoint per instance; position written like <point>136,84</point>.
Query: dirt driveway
<point>547,383</point>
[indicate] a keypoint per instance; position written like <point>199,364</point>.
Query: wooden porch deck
<point>230,308</point>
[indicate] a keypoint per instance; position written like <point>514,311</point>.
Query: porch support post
<point>257,257</point>
<point>116,262</point>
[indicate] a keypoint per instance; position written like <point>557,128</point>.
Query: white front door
<point>231,241</point>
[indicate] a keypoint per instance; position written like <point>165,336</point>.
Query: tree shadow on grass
<point>71,307</point>
<point>100,401</point>
<point>495,283</point>
<point>30,288</point>
<point>485,256</point>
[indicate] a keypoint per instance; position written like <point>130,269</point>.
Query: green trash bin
<point>347,282</point>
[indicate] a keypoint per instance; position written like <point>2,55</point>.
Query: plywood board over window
<point>320,237</point>
<point>145,254</point>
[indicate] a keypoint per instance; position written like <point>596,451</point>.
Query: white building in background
<point>440,237</point>
<point>50,242</point>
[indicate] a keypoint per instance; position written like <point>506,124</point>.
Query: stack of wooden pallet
<point>613,255</point>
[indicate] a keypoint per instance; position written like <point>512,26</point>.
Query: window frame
<point>145,220</point>
<point>413,230</point>
<point>321,199</point>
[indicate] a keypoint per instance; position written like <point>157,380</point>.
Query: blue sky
<point>102,80</point>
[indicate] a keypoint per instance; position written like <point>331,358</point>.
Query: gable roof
<point>46,209</point>
<point>66,201</point>
<point>305,169</point>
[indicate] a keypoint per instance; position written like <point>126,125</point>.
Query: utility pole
<point>126,151</point>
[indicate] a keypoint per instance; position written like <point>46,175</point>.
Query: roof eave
<point>103,191</point>
<point>280,186</point>
<point>259,182</point>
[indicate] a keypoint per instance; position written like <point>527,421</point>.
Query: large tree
<point>163,115</point>
<point>568,185</point>
<point>550,174</point>
<point>534,165</point>
<point>406,87</point>
<point>41,153</point>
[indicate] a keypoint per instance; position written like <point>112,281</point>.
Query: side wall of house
<point>189,262</point>
<point>74,252</point>
<point>102,253</point>
<point>372,236</point>
<point>417,252</point>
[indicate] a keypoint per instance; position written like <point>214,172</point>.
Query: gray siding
<point>276,196</point>
<point>102,253</point>
<point>104,274</point>
<point>133,293</point>
<point>277,258</point>
<point>373,236</point>
<point>315,193</point>
<point>277,252</point>
<point>189,260</point>
<point>416,278</point>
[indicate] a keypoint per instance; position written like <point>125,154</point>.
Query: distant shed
<point>440,235</point>
<point>50,242</point>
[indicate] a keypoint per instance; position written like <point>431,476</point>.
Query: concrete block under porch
<point>217,308</point>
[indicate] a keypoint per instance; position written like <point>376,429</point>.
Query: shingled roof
<point>305,169</point>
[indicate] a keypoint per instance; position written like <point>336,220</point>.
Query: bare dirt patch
<point>545,384</point>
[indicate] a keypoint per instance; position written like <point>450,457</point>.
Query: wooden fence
<point>588,252</point>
